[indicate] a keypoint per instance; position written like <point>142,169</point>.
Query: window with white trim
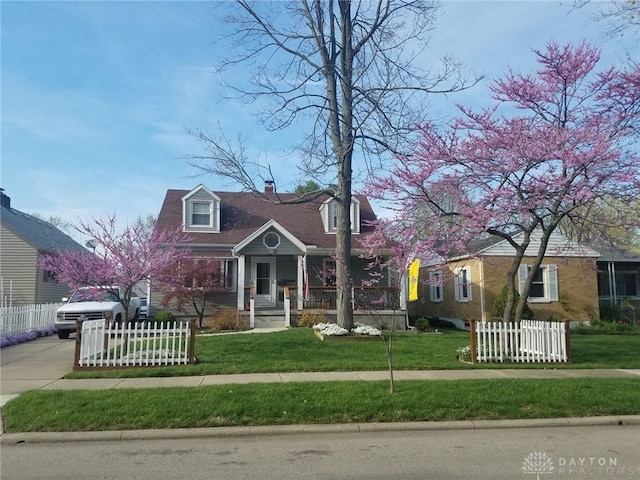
<point>329,212</point>
<point>210,273</point>
<point>462,284</point>
<point>228,272</point>
<point>201,214</point>
<point>544,285</point>
<point>435,286</point>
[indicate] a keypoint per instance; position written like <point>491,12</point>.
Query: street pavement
<point>42,363</point>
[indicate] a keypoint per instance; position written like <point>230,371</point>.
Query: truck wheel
<point>63,334</point>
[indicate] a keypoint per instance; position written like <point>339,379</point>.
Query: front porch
<point>372,306</point>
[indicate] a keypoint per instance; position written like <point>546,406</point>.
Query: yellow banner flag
<point>414,272</point>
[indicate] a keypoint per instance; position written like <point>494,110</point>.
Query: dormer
<point>328,212</point>
<point>201,211</point>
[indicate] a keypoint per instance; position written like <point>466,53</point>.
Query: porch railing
<point>364,298</point>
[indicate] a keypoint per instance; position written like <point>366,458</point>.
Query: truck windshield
<point>94,295</point>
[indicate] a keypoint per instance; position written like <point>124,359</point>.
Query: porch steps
<point>269,319</point>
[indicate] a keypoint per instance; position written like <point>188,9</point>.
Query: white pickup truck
<point>94,303</point>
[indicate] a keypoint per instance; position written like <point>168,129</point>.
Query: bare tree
<point>58,222</point>
<point>350,71</point>
<point>621,15</point>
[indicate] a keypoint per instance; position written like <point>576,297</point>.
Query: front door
<point>263,276</point>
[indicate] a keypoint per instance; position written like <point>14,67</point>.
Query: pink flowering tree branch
<point>556,143</point>
<point>141,251</point>
<point>201,281</point>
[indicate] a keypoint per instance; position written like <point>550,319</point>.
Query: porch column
<point>300,290</point>
<point>240,282</point>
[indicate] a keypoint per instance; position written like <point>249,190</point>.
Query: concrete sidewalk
<point>202,380</point>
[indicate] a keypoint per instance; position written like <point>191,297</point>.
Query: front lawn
<point>314,403</point>
<point>299,350</point>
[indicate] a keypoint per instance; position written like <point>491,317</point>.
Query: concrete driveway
<point>34,365</point>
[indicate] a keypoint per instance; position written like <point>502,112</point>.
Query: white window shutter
<point>456,285</point>
<point>553,282</point>
<point>469,285</point>
<point>523,271</point>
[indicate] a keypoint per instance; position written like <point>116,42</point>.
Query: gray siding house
<point>23,238</point>
<point>267,248</point>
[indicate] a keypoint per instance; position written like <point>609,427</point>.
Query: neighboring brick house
<point>566,286</point>
<point>23,238</point>
<point>264,246</point>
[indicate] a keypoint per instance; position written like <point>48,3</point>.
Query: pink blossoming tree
<point>556,142</point>
<point>203,282</point>
<point>140,252</point>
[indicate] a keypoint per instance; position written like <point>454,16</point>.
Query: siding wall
<point>49,291</point>
<point>577,289</point>
<point>200,196</point>
<point>258,248</point>
<point>18,263</point>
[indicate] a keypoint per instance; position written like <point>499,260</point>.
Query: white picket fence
<point>524,341</point>
<point>100,344</point>
<point>26,318</point>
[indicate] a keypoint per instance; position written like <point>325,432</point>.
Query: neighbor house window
<point>435,286</point>
<point>544,285</point>
<point>201,214</point>
<point>626,284</point>
<point>49,276</point>
<point>462,284</point>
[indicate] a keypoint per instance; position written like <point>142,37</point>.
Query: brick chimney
<point>268,186</point>
<point>5,200</point>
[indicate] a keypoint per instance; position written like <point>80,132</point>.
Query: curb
<point>222,432</point>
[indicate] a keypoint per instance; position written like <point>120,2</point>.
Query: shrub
<point>165,317</point>
<point>615,313</point>
<point>602,327</point>
<point>501,302</point>
<point>310,318</point>
<point>224,320</point>
<point>423,324</point>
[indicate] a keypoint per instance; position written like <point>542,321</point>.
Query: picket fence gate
<point>527,341</point>
<point>26,318</point>
<point>100,344</point>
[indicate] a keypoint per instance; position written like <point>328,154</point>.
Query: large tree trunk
<point>342,140</point>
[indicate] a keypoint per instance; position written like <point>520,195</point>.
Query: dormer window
<point>201,211</point>
<point>329,212</point>
<point>201,214</point>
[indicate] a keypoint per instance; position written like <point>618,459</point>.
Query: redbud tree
<point>203,279</point>
<point>139,252</point>
<point>554,143</point>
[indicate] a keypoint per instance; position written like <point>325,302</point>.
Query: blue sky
<point>97,96</point>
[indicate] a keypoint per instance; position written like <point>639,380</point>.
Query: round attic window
<point>271,240</point>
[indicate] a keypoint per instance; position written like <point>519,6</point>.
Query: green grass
<point>325,403</point>
<point>299,350</point>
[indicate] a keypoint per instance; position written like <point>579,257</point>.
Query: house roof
<point>611,254</point>
<point>243,213</point>
<point>39,234</point>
